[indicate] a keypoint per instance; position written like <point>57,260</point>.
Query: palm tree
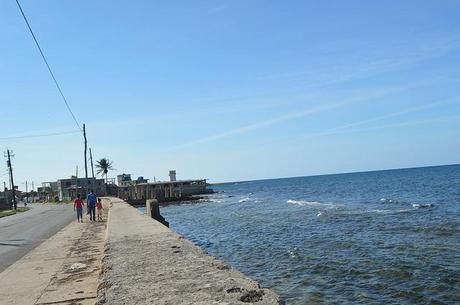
<point>103,166</point>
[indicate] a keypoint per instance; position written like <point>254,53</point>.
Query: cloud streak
<point>262,124</point>
<point>308,112</point>
<point>344,128</point>
<point>406,57</point>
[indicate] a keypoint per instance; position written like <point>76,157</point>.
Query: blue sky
<point>232,90</point>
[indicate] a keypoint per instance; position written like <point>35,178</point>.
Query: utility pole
<point>91,158</point>
<point>26,198</point>
<point>10,167</point>
<point>86,147</point>
<point>85,185</point>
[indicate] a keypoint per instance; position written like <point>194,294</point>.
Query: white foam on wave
<point>311,203</point>
<point>216,200</point>
<point>246,199</point>
<point>422,205</point>
<point>397,211</point>
<point>388,200</point>
<point>293,253</point>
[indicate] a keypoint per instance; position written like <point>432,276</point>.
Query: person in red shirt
<point>78,206</point>
<point>99,209</point>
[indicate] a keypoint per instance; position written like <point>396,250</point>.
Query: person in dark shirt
<point>91,201</point>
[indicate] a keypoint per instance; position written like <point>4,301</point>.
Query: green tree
<point>103,166</point>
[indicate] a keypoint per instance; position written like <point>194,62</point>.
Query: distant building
<point>5,199</point>
<point>172,190</point>
<point>48,191</point>
<point>164,191</point>
<point>140,180</point>
<point>68,189</point>
<point>125,180</point>
<point>172,175</point>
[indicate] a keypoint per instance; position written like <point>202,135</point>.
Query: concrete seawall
<point>147,263</point>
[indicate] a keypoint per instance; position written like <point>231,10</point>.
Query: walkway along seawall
<point>147,263</point>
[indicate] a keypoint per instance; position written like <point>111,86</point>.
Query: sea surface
<point>383,237</point>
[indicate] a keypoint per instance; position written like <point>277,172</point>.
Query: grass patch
<point>5,213</point>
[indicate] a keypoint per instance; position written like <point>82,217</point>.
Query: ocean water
<point>384,237</point>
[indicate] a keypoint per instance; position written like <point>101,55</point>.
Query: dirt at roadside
<point>77,280</point>
<point>62,270</point>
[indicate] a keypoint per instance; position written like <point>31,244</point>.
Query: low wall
<point>4,203</point>
<point>147,263</point>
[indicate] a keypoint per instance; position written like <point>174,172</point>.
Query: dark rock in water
<point>252,296</point>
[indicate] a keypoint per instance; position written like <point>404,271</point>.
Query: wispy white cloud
<point>362,68</point>
<point>307,112</point>
<point>262,124</point>
<point>408,123</point>
<point>346,127</point>
<point>218,8</point>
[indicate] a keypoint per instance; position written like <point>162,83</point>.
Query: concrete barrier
<point>147,263</point>
<point>152,209</point>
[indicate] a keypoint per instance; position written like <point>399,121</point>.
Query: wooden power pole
<point>91,158</point>
<point>85,185</point>
<point>10,168</point>
<point>86,148</point>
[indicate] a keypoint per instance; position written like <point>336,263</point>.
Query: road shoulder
<point>62,270</point>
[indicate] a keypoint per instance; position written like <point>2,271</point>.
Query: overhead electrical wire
<point>49,68</point>
<point>40,135</point>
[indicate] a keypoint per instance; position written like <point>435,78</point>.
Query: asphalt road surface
<point>24,231</point>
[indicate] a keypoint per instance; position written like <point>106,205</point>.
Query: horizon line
<point>338,173</point>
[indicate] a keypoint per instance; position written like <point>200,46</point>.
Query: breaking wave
<point>246,199</point>
<point>422,205</point>
<point>311,203</point>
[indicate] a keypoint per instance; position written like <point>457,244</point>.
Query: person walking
<point>78,206</point>
<point>91,201</point>
<point>99,209</point>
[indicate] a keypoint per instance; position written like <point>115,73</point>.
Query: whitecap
<point>310,203</point>
<point>246,199</point>
<point>388,200</point>
<point>422,205</point>
<point>215,200</point>
<point>293,252</point>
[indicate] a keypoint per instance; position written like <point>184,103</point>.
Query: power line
<point>48,66</point>
<point>40,135</point>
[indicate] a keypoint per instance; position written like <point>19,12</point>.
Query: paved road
<point>22,232</point>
